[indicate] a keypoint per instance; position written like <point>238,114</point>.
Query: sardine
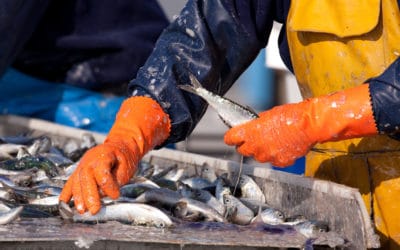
<point>198,182</point>
<point>237,212</point>
<point>141,185</point>
<point>222,187</point>
<point>192,206</point>
<point>132,213</point>
<point>208,173</point>
<point>145,169</point>
<point>311,228</point>
<point>231,113</point>
<point>10,215</point>
<point>201,195</point>
<point>250,189</point>
<point>8,150</point>
<point>272,216</point>
<point>164,196</point>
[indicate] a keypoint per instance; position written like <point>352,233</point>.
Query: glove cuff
<point>343,115</point>
<point>140,122</point>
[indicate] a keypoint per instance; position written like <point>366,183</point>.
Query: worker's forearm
<point>216,42</point>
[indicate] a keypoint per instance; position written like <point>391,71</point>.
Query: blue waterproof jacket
<point>89,43</point>
<point>94,45</point>
<point>217,40</point>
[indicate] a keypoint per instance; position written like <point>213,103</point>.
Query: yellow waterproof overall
<point>335,45</point>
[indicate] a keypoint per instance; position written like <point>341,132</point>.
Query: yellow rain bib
<point>335,45</point>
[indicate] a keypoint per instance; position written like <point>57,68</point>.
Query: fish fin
<point>194,84</point>
<point>193,80</point>
<point>188,88</point>
<point>251,110</point>
<point>65,211</point>
<point>6,187</point>
<point>257,219</point>
<point>224,121</point>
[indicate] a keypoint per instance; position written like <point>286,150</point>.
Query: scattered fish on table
<point>33,171</point>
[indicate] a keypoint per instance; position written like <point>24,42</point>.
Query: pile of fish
<point>33,171</point>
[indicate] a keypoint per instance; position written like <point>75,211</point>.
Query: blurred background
<point>264,84</point>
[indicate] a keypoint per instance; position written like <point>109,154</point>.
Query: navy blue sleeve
<point>18,19</point>
<point>216,41</point>
<point>92,43</point>
<point>385,97</point>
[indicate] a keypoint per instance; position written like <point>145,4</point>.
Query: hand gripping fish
<point>231,113</point>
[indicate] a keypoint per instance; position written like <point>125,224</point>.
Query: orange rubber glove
<point>287,132</point>
<point>140,125</point>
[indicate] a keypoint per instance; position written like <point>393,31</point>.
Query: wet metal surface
<point>56,230</point>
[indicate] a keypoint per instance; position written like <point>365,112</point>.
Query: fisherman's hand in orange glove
<point>140,125</point>
<point>287,132</point>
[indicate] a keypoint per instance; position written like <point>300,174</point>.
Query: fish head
<point>180,209</point>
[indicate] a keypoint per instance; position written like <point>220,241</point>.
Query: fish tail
<point>188,88</point>
<point>194,84</point>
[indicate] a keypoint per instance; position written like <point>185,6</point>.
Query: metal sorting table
<point>339,205</point>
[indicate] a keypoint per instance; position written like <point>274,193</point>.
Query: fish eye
<point>160,224</point>
<point>322,230</point>
<point>280,215</point>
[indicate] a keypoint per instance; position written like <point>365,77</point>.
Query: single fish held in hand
<point>231,113</point>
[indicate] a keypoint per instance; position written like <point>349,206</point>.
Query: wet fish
<point>222,187</point>
<point>8,150</point>
<point>7,216</point>
<point>237,212</point>
<point>231,113</point>
<point>208,173</point>
<point>191,206</point>
<point>132,213</point>
<point>296,219</point>
<point>140,185</point>
<point>198,182</point>
<point>203,196</point>
<point>272,216</point>
<point>29,162</point>
<point>250,189</point>
<point>163,196</point>
<point>311,228</point>
<point>145,169</point>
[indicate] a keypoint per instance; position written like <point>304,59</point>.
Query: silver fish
<point>8,150</point>
<point>272,216</point>
<point>231,113</point>
<point>296,219</point>
<point>255,205</point>
<point>198,182</point>
<point>201,195</point>
<point>187,205</point>
<point>132,213</point>
<point>7,216</point>
<point>250,189</point>
<point>311,228</point>
<point>208,172</point>
<point>164,196</point>
<point>237,212</point>
<point>222,187</point>
<point>140,185</point>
